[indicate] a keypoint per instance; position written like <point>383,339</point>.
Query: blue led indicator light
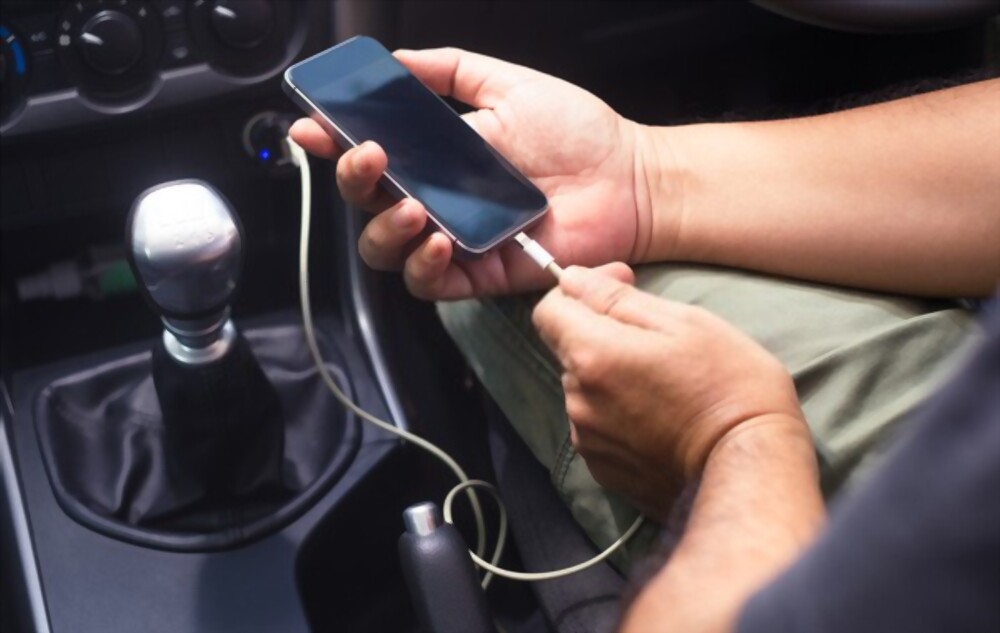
<point>264,154</point>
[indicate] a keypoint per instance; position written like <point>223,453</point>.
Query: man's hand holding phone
<point>586,158</point>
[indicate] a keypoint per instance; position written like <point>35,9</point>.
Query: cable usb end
<point>295,152</point>
<point>540,256</point>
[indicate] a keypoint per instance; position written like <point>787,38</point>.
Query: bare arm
<point>902,196</point>
<point>758,506</point>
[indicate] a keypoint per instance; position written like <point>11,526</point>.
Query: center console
<point>171,460</point>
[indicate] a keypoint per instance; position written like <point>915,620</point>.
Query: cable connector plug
<point>295,152</point>
<point>536,252</point>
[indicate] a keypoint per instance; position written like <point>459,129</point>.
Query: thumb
<point>474,79</point>
<point>618,271</point>
<point>608,290</point>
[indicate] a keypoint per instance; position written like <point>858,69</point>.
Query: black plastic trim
<point>29,578</point>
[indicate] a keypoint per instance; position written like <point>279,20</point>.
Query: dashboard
<point>67,64</point>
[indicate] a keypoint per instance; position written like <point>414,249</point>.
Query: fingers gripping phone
<point>358,91</point>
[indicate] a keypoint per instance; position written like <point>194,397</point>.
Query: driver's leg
<point>862,362</point>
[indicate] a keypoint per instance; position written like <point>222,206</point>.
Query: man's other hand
<point>653,386</point>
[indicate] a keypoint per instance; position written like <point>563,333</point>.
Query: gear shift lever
<point>186,248</point>
<point>223,428</point>
<point>194,447</point>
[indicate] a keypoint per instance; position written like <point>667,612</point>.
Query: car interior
<point>171,459</point>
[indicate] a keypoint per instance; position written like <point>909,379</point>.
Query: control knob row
<point>113,49</point>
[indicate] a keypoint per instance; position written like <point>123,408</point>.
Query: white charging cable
<point>546,261</point>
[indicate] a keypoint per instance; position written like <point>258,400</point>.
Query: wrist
<point>758,506</point>
<point>766,438</point>
<point>659,195</point>
<point>696,177</point>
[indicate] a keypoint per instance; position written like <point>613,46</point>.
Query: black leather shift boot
<point>223,433</point>
<point>216,466</point>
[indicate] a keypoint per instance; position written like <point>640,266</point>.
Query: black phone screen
<point>464,183</point>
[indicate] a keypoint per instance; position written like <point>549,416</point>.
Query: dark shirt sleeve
<point>918,548</point>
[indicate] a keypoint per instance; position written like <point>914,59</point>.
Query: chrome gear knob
<point>185,245</point>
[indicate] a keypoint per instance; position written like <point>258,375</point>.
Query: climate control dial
<point>111,49</point>
<point>111,42</point>
<point>242,23</point>
<point>243,37</point>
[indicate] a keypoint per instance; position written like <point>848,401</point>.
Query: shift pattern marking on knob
<point>186,248</point>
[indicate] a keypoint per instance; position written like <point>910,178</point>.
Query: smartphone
<point>358,91</point>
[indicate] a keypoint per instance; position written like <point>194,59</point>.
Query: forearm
<point>902,196</point>
<point>757,507</point>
